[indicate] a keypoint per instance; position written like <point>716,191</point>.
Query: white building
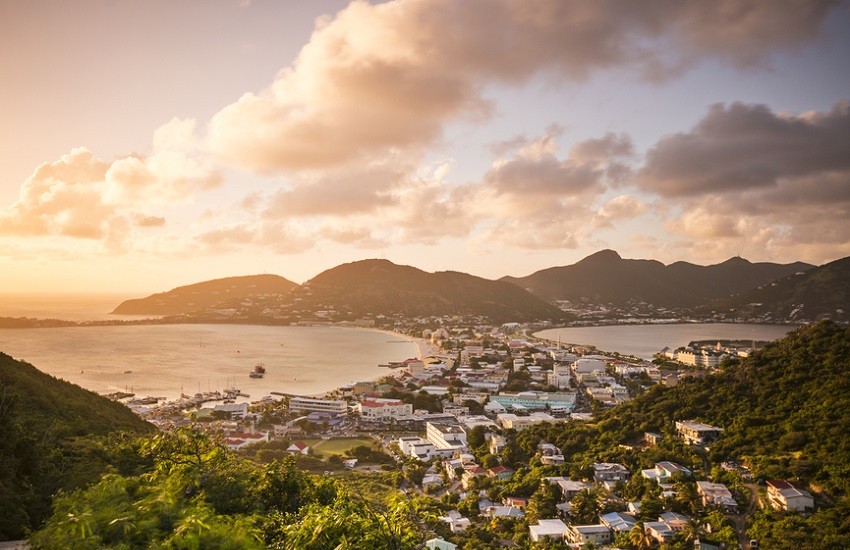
<point>785,495</point>
<point>446,437</point>
<point>547,529</point>
<point>383,410</point>
<point>318,405</point>
<point>582,534</point>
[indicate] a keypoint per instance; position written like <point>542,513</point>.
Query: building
<point>716,494</point>
<point>699,357</point>
<point>618,522</point>
<point>570,488</point>
<point>587,366</point>
<point>696,433</point>
<point>547,529</point>
<point>440,544</point>
<point>449,437</point>
<point>606,472</point>
<point>663,471</point>
<point>383,410</point>
<point>318,405</point>
<point>785,495</point>
<point>594,534</point>
<point>512,421</point>
<point>298,448</point>
<point>240,440</point>
<point>536,400</point>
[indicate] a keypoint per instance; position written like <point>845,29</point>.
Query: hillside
<point>199,296</point>
<point>783,411</point>
<point>822,292</point>
<point>40,417</point>
<point>605,277</point>
<point>381,287</point>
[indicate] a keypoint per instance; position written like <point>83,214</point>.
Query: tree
<point>543,502</point>
<point>639,538</point>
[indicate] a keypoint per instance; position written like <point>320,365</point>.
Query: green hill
<point>381,287</point>
<point>199,296</point>
<point>784,411</point>
<point>605,277</point>
<point>41,419</point>
<point>822,292</point>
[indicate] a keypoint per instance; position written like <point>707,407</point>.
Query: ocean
<point>167,360</point>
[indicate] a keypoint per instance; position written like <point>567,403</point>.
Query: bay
<point>646,340</point>
<point>167,360</point>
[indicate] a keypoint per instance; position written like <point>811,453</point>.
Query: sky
<point>148,145</point>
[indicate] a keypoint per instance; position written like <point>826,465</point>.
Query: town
<point>454,422</point>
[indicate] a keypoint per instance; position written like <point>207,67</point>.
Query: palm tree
<point>693,530</point>
<point>639,538</point>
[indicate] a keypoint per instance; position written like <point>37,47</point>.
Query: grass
<point>337,445</point>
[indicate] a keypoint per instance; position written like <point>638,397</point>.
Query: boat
<point>259,371</point>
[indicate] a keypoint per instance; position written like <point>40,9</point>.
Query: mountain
<point>381,287</point>
<point>605,277</point>
<point>41,419</point>
<point>822,292</point>
<point>199,296</point>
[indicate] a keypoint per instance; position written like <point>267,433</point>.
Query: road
<point>740,520</point>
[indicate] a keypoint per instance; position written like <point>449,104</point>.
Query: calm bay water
<point>166,360</point>
<point>645,340</point>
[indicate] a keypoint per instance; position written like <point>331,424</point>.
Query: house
<point>716,494</point>
<point>497,512</point>
<point>439,544</point>
<point>501,472</point>
<point>663,471</point>
<point>696,433</point>
<point>457,523</point>
<point>298,448</point>
<point>470,474</point>
<point>659,531</point>
<point>241,440</point>
<point>496,443</point>
<point>432,480</point>
<point>618,522</point>
<point>570,488</point>
<point>785,495</point>
<point>547,529</point>
<point>594,534</point>
<point>515,502</point>
<point>651,438</point>
<point>604,472</point>
<point>550,454</point>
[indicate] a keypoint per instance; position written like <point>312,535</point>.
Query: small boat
<point>128,372</point>
<point>258,372</point>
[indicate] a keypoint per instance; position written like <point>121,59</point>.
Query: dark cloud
<point>740,147</point>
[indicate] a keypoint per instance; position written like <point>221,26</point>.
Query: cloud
<point>82,197</point>
<point>746,180</point>
<point>741,146</point>
<point>148,221</point>
<point>340,192</point>
<point>349,96</point>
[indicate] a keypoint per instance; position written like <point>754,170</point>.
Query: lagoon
<point>645,340</point>
<point>167,360</point>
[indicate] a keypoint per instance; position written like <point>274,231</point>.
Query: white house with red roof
<point>298,448</point>
<point>239,440</point>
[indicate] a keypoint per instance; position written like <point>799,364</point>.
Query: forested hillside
<point>44,422</point>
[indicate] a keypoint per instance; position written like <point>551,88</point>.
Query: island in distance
<point>604,281</point>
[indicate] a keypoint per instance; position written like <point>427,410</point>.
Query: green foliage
<point>45,445</point>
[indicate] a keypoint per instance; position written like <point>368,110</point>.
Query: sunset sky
<point>147,145</point>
